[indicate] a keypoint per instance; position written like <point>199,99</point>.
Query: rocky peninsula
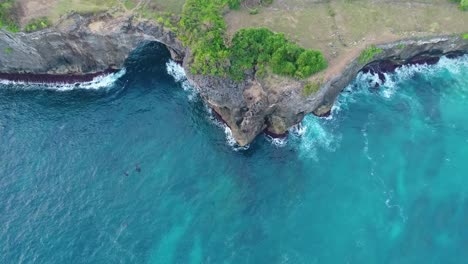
<point>79,47</point>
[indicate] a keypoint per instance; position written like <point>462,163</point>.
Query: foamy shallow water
<point>381,181</point>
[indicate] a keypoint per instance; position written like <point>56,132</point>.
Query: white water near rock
<point>178,73</point>
<point>99,82</point>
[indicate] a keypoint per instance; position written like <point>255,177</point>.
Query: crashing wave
<point>406,72</point>
<point>98,82</point>
<point>178,73</point>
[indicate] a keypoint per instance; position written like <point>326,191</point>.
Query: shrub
<point>8,50</point>
<point>37,24</point>
<point>260,46</point>
<point>7,16</point>
<point>203,29</point>
<point>311,88</point>
<point>465,36</point>
<point>253,11</point>
<point>368,54</point>
<point>464,5</point>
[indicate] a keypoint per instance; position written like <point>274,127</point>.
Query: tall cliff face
<point>80,45</point>
<point>88,45</point>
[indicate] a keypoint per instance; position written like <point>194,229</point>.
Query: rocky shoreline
<point>80,48</point>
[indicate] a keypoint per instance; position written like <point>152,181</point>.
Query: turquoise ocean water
<point>384,180</point>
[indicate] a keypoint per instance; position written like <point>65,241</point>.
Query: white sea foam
<point>278,142</point>
<point>231,141</point>
<point>298,130</point>
<point>178,73</point>
<point>317,137</point>
<point>227,131</point>
<point>99,82</point>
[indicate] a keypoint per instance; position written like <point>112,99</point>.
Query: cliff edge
<point>80,45</point>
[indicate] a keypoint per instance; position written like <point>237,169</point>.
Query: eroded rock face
<point>80,45</point>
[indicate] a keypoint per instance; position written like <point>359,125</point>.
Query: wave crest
<point>99,82</point>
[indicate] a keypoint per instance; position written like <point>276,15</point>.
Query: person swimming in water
<point>138,168</point>
<point>126,173</point>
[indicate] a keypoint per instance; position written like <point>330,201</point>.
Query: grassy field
<point>54,9</point>
<point>342,28</point>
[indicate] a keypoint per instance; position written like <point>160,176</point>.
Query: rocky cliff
<point>80,45</point>
<point>274,104</point>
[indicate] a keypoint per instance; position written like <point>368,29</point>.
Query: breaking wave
<point>99,82</point>
<point>319,133</point>
<point>178,73</point>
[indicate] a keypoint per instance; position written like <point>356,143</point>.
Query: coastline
<point>54,78</point>
<point>270,105</point>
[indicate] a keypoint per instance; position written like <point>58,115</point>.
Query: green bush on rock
<point>463,4</point>
<point>7,18</point>
<point>368,54</point>
<point>37,24</point>
<point>203,29</point>
<point>311,88</point>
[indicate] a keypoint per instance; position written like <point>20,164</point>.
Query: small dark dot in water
<point>138,168</point>
<point>126,174</point>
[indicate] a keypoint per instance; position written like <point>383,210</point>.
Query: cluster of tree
<point>203,29</point>
<point>259,47</point>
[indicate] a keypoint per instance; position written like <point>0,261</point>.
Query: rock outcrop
<point>393,55</point>
<point>80,45</point>
<point>274,104</point>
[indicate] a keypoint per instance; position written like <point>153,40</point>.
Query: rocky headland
<point>80,47</point>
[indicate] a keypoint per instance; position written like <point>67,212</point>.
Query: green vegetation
<point>203,29</point>
<point>8,50</point>
<point>129,4</point>
<point>368,54</point>
<point>465,36</point>
<point>463,4</point>
<point>401,46</point>
<point>37,24</point>
<point>82,7</point>
<point>7,16</point>
<point>261,47</point>
<point>311,88</point>
<point>253,11</point>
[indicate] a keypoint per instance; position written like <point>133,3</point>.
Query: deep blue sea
<point>133,168</point>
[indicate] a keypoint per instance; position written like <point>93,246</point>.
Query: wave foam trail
<point>99,82</point>
<point>227,131</point>
<point>316,137</point>
<point>178,73</point>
